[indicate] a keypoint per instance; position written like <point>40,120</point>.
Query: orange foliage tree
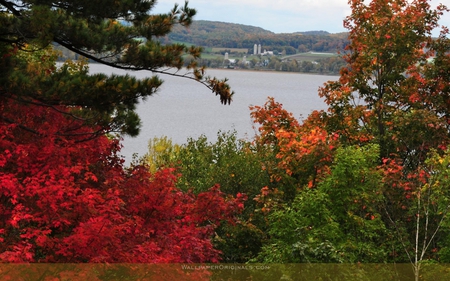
<point>385,94</point>
<point>297,154</point>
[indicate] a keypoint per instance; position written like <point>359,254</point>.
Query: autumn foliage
<point>369,174</point>
<point>366,180</point>
<point>302,151</point>
<point>66,200</point>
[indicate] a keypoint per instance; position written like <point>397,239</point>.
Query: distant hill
<point>231,35</point>
<point>212,32</point>
<point>211,27</point>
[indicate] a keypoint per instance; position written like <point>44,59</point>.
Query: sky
<point>279,16</point>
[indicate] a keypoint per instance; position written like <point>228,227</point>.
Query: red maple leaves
<point>67,200</point>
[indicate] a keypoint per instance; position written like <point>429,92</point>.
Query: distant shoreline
<point>243,69</point>
<point>273,71</point>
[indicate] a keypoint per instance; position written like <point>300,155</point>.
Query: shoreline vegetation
<point>266,70</point>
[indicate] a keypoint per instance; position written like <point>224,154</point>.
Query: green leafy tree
<point>394,93</point>
<point>338,221</point>
<point>234,165</point>
<point>120,34</point>
<point>161,153</point>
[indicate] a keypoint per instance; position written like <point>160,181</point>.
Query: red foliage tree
<point>65,199</point>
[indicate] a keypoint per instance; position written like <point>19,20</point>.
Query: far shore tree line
<point>329,65</point>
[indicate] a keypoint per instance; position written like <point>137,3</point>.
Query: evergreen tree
<point>120,34</point>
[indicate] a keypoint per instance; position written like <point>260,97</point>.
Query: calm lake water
<point>183,108</point>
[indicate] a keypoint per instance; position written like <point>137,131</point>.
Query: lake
<point>183,108</point>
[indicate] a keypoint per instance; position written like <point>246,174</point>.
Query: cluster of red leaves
<point>298,147</point>
<point>66,200</point>
<point>401,186</point>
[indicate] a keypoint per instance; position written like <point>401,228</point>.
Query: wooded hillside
<point>230,35</point>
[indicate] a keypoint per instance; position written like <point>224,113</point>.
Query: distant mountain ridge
<point>218,26</point>
<point>212,27</point>
<point>232,35</point>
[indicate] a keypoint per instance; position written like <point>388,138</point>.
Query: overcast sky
<point>279,16</point>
